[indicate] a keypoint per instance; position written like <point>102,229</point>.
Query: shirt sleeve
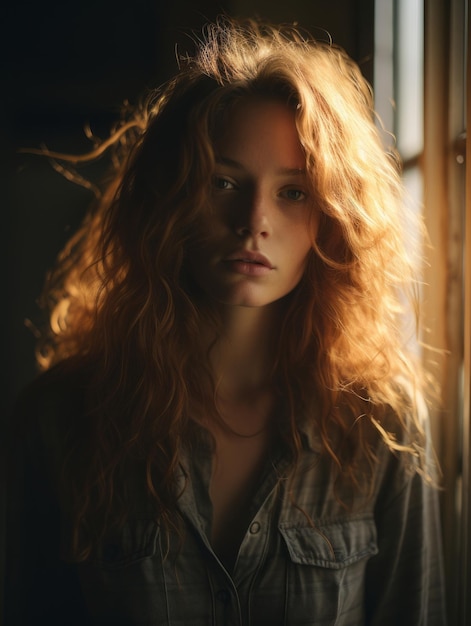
<point>405,579</point>
<point>40,588</point>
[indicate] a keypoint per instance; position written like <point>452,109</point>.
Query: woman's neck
<point>242,361</point>
<point>242,357</point>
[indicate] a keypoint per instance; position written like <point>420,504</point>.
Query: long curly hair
<point>122,301</point>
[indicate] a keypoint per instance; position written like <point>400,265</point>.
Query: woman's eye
<point>295,195</point>
<point>222,183</point>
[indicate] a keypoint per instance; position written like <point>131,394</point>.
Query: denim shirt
<point>305,559</point>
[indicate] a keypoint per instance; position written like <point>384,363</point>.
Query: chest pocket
<point>137,540</point>
<point>326,570</point>
<point>123,582</point>
<point>334,546</point>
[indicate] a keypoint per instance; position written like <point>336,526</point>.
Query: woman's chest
<point>287,572</point>
<point>237,469</point>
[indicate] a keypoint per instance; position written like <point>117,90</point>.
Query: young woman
<point>231,430</point>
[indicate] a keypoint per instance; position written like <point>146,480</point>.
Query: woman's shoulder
<point>45,424</point>
<point>52,400</point>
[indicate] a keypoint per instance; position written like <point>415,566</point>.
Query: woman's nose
<point>254,220</point>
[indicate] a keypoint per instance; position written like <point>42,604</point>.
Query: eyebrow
<point>291,171</point>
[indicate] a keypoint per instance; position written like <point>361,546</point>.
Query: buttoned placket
<point>230,591</point>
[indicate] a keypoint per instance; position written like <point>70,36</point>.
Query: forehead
<point>261,127</point>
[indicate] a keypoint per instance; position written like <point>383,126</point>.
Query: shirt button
<point>254,528</point>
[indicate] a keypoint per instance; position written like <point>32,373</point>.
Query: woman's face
<point>256,238</point>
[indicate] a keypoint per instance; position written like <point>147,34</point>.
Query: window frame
<point>444,163</point>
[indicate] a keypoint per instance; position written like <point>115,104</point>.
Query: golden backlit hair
<point>122,299</point>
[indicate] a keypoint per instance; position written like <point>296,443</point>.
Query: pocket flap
<point>332,545</point>
<point>136,540</point>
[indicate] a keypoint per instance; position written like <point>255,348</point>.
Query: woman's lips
<point>249,263</point>
<point>248,268</point>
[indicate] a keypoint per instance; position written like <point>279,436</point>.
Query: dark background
<point>64,65</point>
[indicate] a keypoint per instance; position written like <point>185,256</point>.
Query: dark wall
<point>68,64</point>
